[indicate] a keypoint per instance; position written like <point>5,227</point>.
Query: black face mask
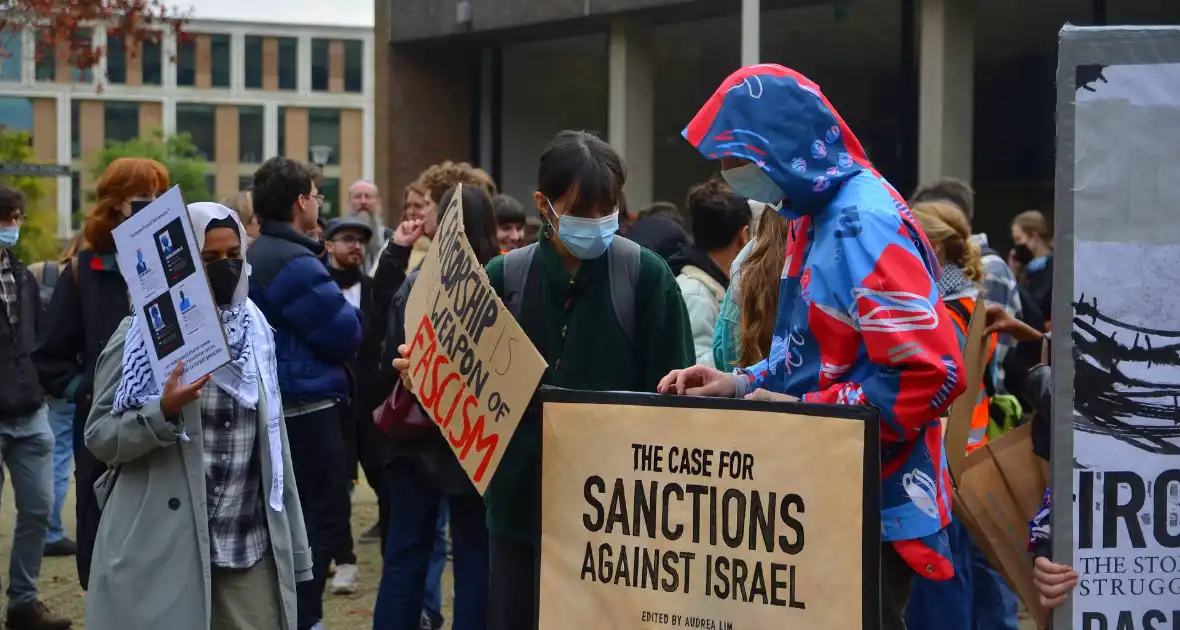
<point>138,204</point>
<point>223,277</point>
<point>1023,254</point>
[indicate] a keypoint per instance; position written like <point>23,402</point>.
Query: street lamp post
<point>320,154</point>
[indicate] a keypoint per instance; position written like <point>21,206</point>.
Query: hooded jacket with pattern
<point>860,320</point>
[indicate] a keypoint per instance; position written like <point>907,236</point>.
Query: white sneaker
<point>344,582</point>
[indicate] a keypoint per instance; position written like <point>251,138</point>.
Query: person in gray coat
<point>201,525</point>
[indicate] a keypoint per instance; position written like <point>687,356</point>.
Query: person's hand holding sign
<point>402,366</point>
<point>175,395</point>
<point>1054,581</point>
<point>698,380</point>
<point>762,394</point>
<point>1002,322</point>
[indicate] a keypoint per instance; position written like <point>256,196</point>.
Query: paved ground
<point>60,591</point>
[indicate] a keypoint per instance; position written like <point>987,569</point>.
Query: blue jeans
<point>61,422</point>
<point>432,601</point>
<point>977,598</point>
<point>413,544</point>
<point>26,450</point>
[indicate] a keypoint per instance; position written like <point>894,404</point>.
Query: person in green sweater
<point>568,313</point>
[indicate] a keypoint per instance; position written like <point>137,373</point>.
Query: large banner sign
<point>673,512</point>
<point>1117,310</point>
<point>473,368</point>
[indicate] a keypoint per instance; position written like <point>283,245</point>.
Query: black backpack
<point>623,264</point>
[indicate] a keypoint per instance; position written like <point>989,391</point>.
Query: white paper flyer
<point>170,294</point>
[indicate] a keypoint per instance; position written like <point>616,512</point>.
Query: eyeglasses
<point>319,200</point>
<point>350,240</point>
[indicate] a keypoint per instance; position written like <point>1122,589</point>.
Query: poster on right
<point>1117,335</point>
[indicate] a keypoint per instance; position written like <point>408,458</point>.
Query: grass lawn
<point>59,576</point>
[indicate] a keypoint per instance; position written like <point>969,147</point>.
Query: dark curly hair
<point>718,214</point>
<point>278,183</point>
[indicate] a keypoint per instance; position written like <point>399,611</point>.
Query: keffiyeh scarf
<point>252,372</point>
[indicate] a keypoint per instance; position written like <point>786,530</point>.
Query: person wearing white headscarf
<point>201,525</point>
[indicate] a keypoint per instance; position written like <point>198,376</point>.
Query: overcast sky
<point>327,12</point>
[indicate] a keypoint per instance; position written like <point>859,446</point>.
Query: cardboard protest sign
<point>1000,489</point>
<point>472,366</point>
<point>1000,485</point>
<point>1116,356</point>
<point>661,511</point>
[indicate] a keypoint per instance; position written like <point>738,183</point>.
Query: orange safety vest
<point>960,310</point>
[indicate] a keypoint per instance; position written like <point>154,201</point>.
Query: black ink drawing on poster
<point>1121,384</point>
<point>170,242</point>
<point>165,331</point>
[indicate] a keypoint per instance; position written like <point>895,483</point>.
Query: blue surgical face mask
<point>9,236</point>
<point>751,182</point>
<point>585,238</point>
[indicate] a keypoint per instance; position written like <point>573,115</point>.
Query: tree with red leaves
<point>64,27</point>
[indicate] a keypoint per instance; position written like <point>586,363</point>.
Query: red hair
<point>125,178</point>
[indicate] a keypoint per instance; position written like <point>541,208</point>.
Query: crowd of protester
<point>225,503</point>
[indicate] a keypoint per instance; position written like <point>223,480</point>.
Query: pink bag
<point>401,417</point>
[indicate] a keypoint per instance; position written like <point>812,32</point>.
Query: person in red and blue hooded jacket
<point>860,320</point>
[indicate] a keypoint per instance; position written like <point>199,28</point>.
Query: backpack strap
<point>623,265</point>
<point>49,274</point>
<point>958,308</point>
<point>516,273</point>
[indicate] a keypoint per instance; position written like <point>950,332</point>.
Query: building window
<point>320,65</point>
<point>245,181</point>
<point>198,121</point>
<point>186,62</point>
<point>288,61</point>
<point>323,128</point>
<point>116,56</point>
<point>329,187</point>
<point>10,56</point>
<point>16,114</point>
<point>151,56</point>
<point>219,51</point>
<point>76,200</point>
<point>47,61</point>
<point>83,39</point>
<point>283,131</point>
<point>120,120</point>
<point>250,124</point>
<point>75,132</point>
<point>354,65</point>
<point>253,61</point>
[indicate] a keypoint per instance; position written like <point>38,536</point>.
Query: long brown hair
<point>758,288</point>
<point>946,225</point>
<point>125,178</point>
<point>73,246</point>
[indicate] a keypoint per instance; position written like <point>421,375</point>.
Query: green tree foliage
<point>38,235</point>
<point>177,153</point>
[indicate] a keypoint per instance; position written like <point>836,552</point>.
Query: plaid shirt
<point>238,535</point>
<point>8,290</point>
